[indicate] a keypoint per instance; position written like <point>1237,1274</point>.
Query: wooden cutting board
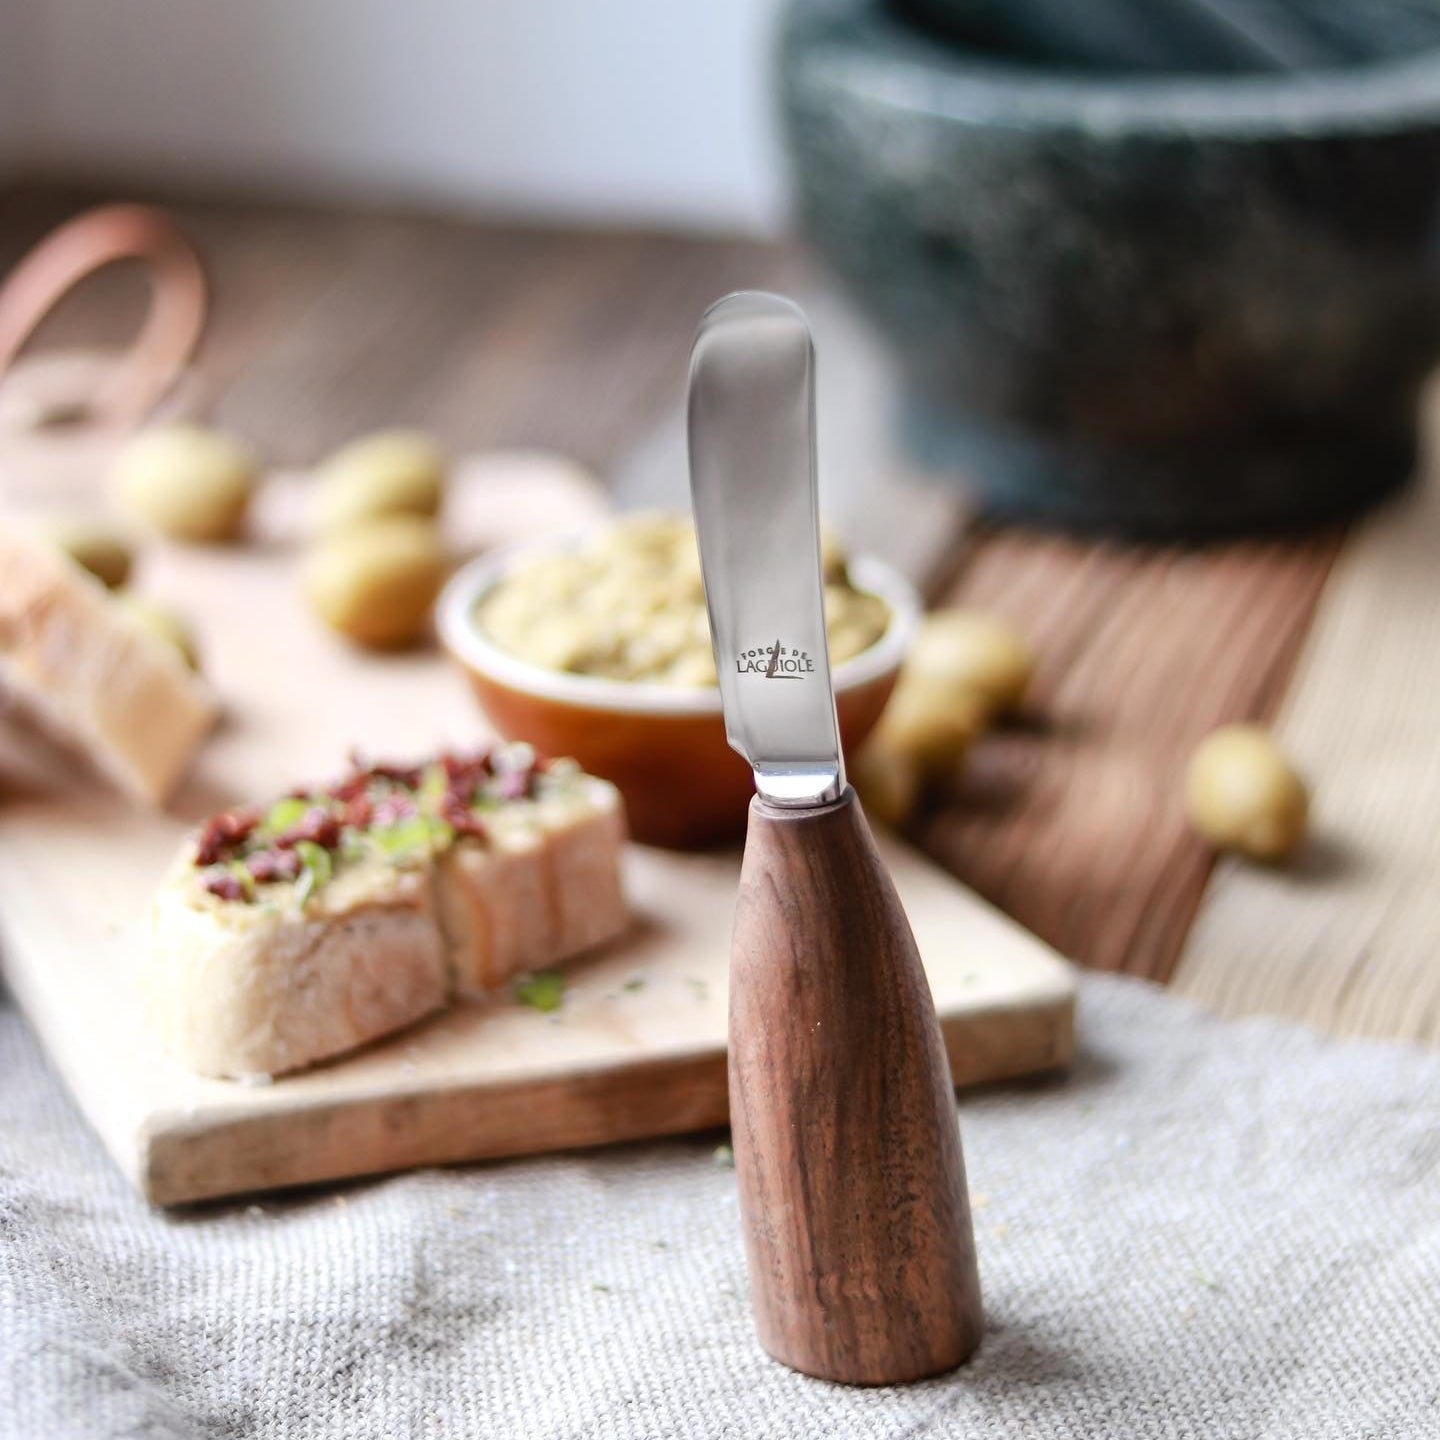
<point>636,1049</point>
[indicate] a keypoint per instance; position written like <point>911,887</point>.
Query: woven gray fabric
<point>1210,1229</point>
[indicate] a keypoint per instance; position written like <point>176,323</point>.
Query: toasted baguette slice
<point>494,909</point>
<point>91,675</point>
<point>583,870</point>
<point>544,886</point>
<point>244,990</point>
<point>286,937</point>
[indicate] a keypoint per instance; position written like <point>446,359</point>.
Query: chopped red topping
<point>458,815</point>
<point>466,774</point>
<point>225,885</point>
<point>351,787</point>
<point>369,797</point>
<point>268,865</point>
<point>223,833</point>
<point>467,770</point>
<point>358,812</point>
<point>318,825</point>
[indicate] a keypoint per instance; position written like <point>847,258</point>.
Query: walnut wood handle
<point>847,1152</point>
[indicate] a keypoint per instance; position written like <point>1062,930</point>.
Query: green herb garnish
<point>284,814</point>
<point>316,869</point>
<point>544,990</point>
<point>415,835</point>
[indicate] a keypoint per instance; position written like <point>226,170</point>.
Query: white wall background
<point>608,110</point>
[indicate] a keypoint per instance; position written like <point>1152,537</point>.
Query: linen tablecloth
<point>1209,1229</point>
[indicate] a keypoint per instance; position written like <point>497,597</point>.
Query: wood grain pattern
<point>852,1185</point>
<point>1072,820</point>
<point>327,323</point>
<point>1345,937</point>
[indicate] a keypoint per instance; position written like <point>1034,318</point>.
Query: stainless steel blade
<point>753,485</point>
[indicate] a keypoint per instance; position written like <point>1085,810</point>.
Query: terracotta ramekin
<point>664,746</point>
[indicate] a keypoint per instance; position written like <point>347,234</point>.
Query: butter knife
<point>847,1153</point>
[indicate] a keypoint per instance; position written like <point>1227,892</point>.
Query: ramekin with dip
<point>598,647</point>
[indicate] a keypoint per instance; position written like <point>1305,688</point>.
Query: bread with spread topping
<point>289,935</point>
<point>545,888</point>
<point>92,676</point>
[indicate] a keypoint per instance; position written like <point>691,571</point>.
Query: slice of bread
<point>92,676</point>
<point>243,990</point>
<point>286,937</point>
<point>494,907</point>
<point>543,886</point>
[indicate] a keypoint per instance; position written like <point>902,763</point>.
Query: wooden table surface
<point>325,325</point>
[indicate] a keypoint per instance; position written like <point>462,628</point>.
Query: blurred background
<point>637,112</point>
<point>1092,238</point>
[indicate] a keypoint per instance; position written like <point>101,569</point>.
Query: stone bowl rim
<point>901,66</point>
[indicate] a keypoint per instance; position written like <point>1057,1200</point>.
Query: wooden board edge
<point>178,1164</point>
<point>1006,1042</point>
<point>176,1160</point>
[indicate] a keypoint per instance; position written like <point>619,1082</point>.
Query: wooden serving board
<point>636,1049</point>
